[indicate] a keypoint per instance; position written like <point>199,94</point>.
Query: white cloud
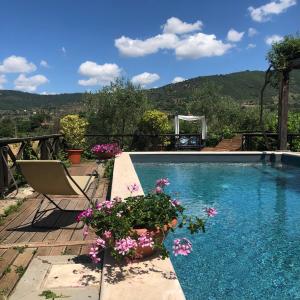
<point>251,46</point>
<point>98,74</point>
<point>252,32</point>
<point>2,81</point>
<point>44,64</point>
<point>234,36</point>
<point>176,26</point>
<point>135,47</point>
<point>29,84</point>
<point>201,45</point>
<point>178,79</point>
<point>47,93</point>
<point>273,39</point>
<point>63,49</point>
<point>16,64</point>
<point>193,46</point>
<point>145,78</point>
<point>263,13</point>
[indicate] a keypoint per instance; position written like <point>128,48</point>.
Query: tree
<point>283,58</point>
<point>116,109</point>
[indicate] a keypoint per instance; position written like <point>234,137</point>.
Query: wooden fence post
<point>3,170</point>
<point>44,150</point>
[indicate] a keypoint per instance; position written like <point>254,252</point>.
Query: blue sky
<point>68,46</point>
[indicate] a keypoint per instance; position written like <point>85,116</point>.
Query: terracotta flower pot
<point>159,234</point>
<point>105,155</point>
<point>74,156</point>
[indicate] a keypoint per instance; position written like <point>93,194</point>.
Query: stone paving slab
<point>150,279</point>
<point>69,276</point>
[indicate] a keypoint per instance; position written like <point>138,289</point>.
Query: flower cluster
<point>162,182</point>
<point>84,214</point>
<point>211,212</point>
<point>182,247</point>
<point>112,149</point>
<point>123,246</point>
<point>117,224</point>
<point>133,188</point>
<point>145,240</point>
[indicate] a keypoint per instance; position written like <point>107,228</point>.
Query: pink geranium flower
<point>123,246</point>
<point>175,202</point>
<point>145,240</point>
<point>211,212</point>
<point>162,182</point>
<point>107,234</point>
<point>94,252</point>
<point>158,190</point>
<point>100,243</point>
<point>133,188</point>
<point>182,247</point>
<point>85,230</point>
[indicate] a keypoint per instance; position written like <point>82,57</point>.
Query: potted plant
<point>73,127</point>
<point>106,151</point>
<point>136,227</point>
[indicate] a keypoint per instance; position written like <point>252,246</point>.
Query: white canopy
<point>191,119</point>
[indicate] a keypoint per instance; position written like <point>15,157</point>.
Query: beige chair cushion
<point>49,177</point>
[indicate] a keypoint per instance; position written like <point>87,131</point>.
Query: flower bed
<point>106,151</point>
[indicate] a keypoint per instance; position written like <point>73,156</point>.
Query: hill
<point>16,100</point>
<point>243,87</point>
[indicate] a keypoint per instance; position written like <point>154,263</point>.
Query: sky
<point>57,46</point>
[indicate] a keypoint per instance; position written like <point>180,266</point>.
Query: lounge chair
<point>51,177</point>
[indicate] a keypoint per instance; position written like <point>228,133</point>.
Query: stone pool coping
<point>156,279</point>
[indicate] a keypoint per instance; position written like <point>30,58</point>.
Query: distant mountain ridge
<point>243,87</point>
<point>16,100</point>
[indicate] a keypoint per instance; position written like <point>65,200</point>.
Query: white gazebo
<point>192,119</point>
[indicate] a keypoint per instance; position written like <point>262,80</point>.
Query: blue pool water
<point>251,249</point>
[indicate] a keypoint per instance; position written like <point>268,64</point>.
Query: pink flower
<point>211,212</point>
<point>100,242</point>
<point>175,202</point>
<point>162,182</point>
<point>133,188</point>
<point>182,247</point>
<point>123,246</point>
<point>106,205</point>
<point>107,234</point>
<point>158,190</point>
<point>85,230</point>
<point>145,240</point>
<point>84,214</point>
<point>94,251</point>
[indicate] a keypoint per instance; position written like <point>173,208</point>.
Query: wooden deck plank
<point>6,259</point>
<point>10,279</point>
<point>25,226</point>
<point>66,233</point>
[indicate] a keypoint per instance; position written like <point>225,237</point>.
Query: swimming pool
<point>252,248</point>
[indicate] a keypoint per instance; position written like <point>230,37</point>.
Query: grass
<point>20,270</point>
<point>48,294</point>
<point>20,249</point>
<point>9,210</point>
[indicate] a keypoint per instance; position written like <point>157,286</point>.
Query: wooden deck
<point>20,242</point>
<point>234,144</point>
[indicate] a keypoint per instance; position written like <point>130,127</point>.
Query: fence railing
<point>148,142</point>
<point>12,149</point>
<point>49,147</point>
<point>266,141</point>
